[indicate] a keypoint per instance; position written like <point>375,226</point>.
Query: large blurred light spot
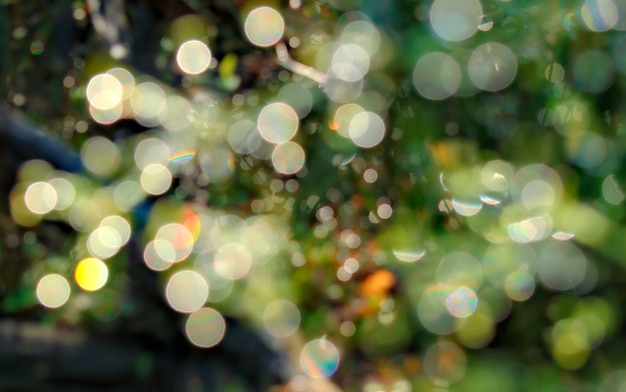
<point>53,291</point>
<point>126,79</point>
<point>264,26</point>
<point>119,225</point>
<point>186,291</point>
<point>570,344</point>
<point>298,97</point>
<point>232,261</point>
<point>571,117</point>
<point>519,286</point>
<point>288,158</point>
<point>205,327</point>
<point>193,57</point>
<point>128,194</point>
<point>104,242</point>
<point>502,260</point>
<point>84,215</point>
<point>536,193</point>
<point>496,175</point>
<point>341,91</point>
<point>65,193</point>
<point>106,117</point>
<point>433,312</point>
<point>455,20</point>
<point>599,15</point>
<point>492,66</point>
<point>587,149</point>
<point>478,329</point>
<point>594,71</point>
<point>445,362</point>
<point>104,91</point>
<point>107,239</point>
<point>319,358</point>
<point>40,197</point>
<point>343,117</point>
<point>149,151</point>
<point>281,318</point>
<point>100,156</point>
<point>277,122</point>
<point>91,274</point>
<point>436,76</point>
<point>537,186</point>
<point>156,179</point>
<point>460,269</point>
<point>462,302</point>
<point>366,129</point>
<point>244,137</point>
<point>350,62</point>
<point>175,115</point>
<point>217,164</point>
<point>147,101</point>
<point>561,266</point>
<point>173,242</point>
<point>362,33</point>
<point>612,191</point>
<point>159,255</point>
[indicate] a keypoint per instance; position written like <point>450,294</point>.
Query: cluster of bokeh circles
<point>213,260</point>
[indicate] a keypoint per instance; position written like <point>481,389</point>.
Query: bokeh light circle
<point>186,291</point>
<point>462,302</point>
<point>455,20</point>
<point>104,91</point>
<point>156,179</point>
<point>264,26</point>
<point>432,310</point>
<point>492,66</point>
<point>53,291</point>
<point>594,71</point>
<point>436,76</point>
<point>91,274</point>
<point>277,122</point>
<point>445,362</point>
<point>288,158</point>
<point>319,358</point>
<point>40,197</point>
<point>100,156</point>
<point>350,62</point>
<point>281,318</point>
<point>205,327</point>
<point>599,15</point>
<point>561,266</point>
<point>193,57</point>
<point>232,261</point>
<point>366,129</point>
<point>519,286</point>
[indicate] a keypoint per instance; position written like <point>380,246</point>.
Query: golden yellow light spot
<point>377,284</point>
<point>91,274</point>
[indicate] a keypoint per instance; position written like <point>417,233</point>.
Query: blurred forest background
<point>312,195</point>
